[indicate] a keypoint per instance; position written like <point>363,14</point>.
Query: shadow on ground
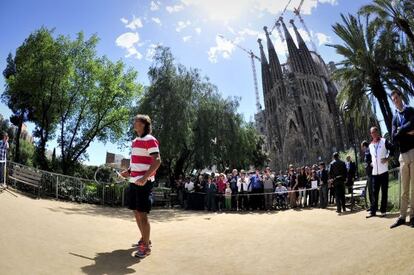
<point>115,262</point>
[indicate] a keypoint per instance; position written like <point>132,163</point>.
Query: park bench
<point>358,191</point>
<point>27,177</point>
<point>161,196</point>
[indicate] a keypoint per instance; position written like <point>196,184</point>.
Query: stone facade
<point>303,123</point>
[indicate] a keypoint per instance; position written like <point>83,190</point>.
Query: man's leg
<point>370,193</point>
<point>384,192</point>
<point>343,197</point>
<point>138,220</point>
<point>146,228</point>
<point>375,188</point>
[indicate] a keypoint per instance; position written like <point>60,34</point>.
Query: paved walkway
<point>51,237</point>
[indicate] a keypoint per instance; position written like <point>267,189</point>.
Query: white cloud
<point>223,48</point>
<point>156,20</point>
<point>332,2</point>
<point>175,8</point>
<point>151,51</point>
<point>276,7</point>
<point>250,32</point>
<point>155,5</point>
<point>187,38</point>
<point>198,30</point>
<point>182,25</point>
<point>127,41</point>
<point>134,24</point>
<point>322,38</point>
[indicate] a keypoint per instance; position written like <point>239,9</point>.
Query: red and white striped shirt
<point>142,148</point>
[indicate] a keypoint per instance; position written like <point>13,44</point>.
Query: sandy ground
<point>51,237</point>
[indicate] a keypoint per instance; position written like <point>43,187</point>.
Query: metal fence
<point>71,188</point>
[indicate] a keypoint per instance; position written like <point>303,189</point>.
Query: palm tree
<point>399,12</point>
<point>395,20</point>
<point>362,68</point>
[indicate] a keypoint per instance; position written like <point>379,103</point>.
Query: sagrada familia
<point>301,120</point>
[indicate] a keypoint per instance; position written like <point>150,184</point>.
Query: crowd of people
<point>307,186</point>
<point>314,185</point>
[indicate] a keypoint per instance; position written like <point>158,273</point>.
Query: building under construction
<point>301,120</point>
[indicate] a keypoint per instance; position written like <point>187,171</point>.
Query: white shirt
<point>378,152</point>
<point>189,186</point>
<point>245,184</point>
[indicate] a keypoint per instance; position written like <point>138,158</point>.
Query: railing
<point>71,188</point>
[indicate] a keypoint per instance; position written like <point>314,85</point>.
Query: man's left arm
<point>408,126</point>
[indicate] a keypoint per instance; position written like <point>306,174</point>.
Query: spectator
<point>403,136</point>
<point>211,190</point>
<point>221,187</point>
<point>380,150</point>
<point>234,189</point>
<point>302,180</point>
<point>281,195</point>
<point>268,189</point>
<point>351,173</point>
<point>337,174</point>
<point>189,185</point>
<point>256,187</point>
<point>228,196</point>
<point>242,186</point>
<point>4,146</point>
<point>368,171</point>
<point>323,188</point>
<point>315,183</point>
<point>292,185</point>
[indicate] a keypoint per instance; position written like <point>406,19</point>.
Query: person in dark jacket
<point>403,137</point>
<point>337,174</point>
<point>323,189</point>
<point>368,172</point>
<point>351,172</point>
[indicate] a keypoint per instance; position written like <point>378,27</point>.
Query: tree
<point>362,66</point>
<point>196,127</point>
<point>96,103</point>
<point>395,19</point>
<point>399,13</point>
<point>33,91</point>
<point>16,100</point>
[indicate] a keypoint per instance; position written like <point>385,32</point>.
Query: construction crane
<point>277,23</point>
<point>296,11</point>
<point>252,57</point>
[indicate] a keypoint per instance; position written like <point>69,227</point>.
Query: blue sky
<point>130,29</point>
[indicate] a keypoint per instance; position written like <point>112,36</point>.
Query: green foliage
<point>63,87</point>
<point>97,102</point>
<point>196,127</point>
<point>27,151</point>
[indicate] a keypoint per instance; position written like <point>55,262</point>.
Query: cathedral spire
<point>275,68</point>
<point>294,55</point>
<point>307,60</point>
<point>266,78</point>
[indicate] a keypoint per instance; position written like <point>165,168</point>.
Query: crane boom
<point>296,11</point>
<point>252,58</point>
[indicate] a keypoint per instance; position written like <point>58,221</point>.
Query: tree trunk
<point>19,132</point>
<point>381,95</point>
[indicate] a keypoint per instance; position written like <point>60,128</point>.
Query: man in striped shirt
<point>145,160</point>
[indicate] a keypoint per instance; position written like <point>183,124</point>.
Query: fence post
<point>57,187</point>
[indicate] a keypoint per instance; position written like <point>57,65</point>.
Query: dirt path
<point>51,237</point>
